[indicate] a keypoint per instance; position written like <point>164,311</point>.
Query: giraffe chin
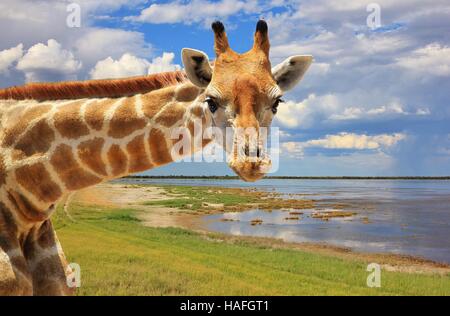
<point>250,171</point>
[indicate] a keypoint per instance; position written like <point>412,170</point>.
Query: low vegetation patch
<point>212,199</point>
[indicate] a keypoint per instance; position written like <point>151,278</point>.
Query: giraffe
<point>58,138</point>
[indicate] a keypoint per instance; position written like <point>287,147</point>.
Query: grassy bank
<point>119,256</point>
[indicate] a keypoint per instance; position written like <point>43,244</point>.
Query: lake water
<point>396,216</point>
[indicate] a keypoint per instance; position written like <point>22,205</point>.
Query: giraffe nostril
<point>247,150</point>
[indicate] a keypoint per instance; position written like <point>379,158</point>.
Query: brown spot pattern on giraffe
<point>90,153</point>
<point>68,121</point>
<point>187,93</point>
<point>151,102</point>
<point>15,284</point>
<point>95,113</point>
<point>44,237</point>
<point>171,115</point>
<point>22,122</point>
<point>158,148</point>
<point>12,283</point>
<point>125,119</point>
<point>42,286</point>
<point>36,180</point>
<point>117,160</point>
<point>3,172</point>
<point>8,229</point>
<point>194,140</point>
<point>73,176</point>
<point>25,209</point>
<point>197,111</point>
<point>138,157</point>
<point>36,141</point>
<point>20,284</point>
<point>38,232</point>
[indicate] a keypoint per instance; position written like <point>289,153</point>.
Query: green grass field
<point>119,256</point>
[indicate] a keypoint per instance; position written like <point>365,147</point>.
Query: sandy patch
<point>117,195</point>
<point>120,195</point>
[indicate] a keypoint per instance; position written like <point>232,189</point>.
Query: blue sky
<point>375,102</point>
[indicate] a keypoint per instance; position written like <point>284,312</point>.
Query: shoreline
<point>132,196</point>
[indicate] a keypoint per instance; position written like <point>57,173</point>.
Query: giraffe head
<point>242,92</point>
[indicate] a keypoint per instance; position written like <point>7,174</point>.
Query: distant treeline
<point>288,177</point>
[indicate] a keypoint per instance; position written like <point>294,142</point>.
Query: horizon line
<point>228,177</point>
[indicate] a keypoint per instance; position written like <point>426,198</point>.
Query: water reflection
<point>384,232</point>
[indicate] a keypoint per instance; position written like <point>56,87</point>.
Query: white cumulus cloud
<point>129,65</point>
<point>47,62</point>
<point>343,140</point>
<point>97,44</point>
<point>302,114</point>
<point>355,141</point>
<point>339,108</point>
<point>163,63</point>
<point>9,56</point>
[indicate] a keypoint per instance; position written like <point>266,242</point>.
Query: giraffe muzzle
<point>249,170</point>
<point>250,163</point>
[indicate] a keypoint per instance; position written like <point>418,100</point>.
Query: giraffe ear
<point>196,64</point>
<point>291,71</point>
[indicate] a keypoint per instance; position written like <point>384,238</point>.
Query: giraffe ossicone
<point>62,137</point>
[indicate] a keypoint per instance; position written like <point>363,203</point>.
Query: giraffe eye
<point>275,105</point>
<point>212,105</point>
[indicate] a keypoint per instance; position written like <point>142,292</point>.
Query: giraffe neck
<point>52,148</point>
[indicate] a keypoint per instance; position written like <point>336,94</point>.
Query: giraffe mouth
<point>249,158</point>
<point>251,170</point>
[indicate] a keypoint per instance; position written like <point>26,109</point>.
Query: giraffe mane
<point>93,88</point>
